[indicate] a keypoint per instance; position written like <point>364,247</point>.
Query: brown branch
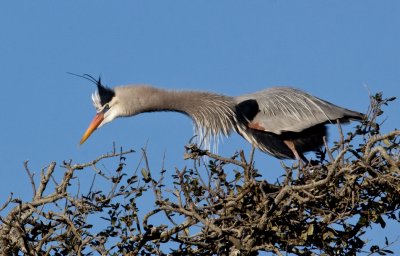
<point>195,152</point>
<point>30,175</point>
<point>44,180</point>
<point>372,141</point>
<point>6,203</point>
<point>94,162</point>
<point>331,170</point>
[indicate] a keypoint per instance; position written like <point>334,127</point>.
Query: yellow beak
<point>92,127</point>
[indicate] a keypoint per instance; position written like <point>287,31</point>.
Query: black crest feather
<point>105,93</point>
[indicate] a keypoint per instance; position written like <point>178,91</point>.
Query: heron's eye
<point>106,107</point>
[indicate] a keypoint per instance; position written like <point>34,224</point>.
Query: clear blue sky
<point>336,50</point>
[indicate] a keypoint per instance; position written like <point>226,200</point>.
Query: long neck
<point>213,114</point>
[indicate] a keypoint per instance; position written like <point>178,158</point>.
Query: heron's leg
<point>299,156</point>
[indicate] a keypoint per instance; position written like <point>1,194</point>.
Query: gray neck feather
<point>213,114</point>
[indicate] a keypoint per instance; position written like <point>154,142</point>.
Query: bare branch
<point>30,175</point>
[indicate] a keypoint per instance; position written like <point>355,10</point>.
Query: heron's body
<point>282,121</point>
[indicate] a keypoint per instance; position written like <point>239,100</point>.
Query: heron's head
<point>107,107</point>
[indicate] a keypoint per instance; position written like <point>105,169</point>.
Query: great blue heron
<point>281,121</point>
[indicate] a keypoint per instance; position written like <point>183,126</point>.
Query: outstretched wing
<point>285,109</point>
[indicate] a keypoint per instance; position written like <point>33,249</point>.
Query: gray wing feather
<point>287,109</point>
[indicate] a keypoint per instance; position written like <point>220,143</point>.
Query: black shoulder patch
<point>247,109</point>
